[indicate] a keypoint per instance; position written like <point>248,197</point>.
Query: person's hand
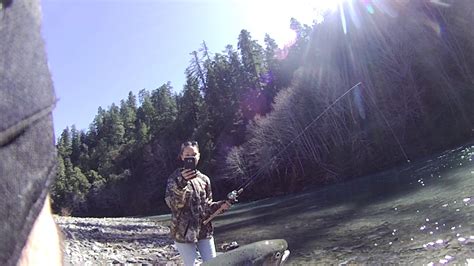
<point>188,174</point>
<point>226,205</point>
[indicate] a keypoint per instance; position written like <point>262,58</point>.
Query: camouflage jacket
<point>191,203</point>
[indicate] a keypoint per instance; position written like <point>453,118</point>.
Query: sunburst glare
<point>274,15</point>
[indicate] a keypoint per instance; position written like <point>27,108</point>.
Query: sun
<point>273,16</point>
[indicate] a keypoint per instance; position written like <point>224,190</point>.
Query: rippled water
<point>421,213</point>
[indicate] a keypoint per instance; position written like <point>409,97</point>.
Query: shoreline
<point>116,241</point>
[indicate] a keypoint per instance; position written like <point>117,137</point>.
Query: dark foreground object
<point>27,152</point>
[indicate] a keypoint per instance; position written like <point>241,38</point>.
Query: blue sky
<point>99,50</point>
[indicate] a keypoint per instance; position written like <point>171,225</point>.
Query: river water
<point>418,213</point>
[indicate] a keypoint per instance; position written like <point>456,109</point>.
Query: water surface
<point>421,212</point>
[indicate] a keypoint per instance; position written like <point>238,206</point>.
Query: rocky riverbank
<point>92,241</point>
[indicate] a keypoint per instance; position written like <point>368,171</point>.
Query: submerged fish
<point>266,252</point>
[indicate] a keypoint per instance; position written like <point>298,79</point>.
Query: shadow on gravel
<point>114,233</point>
<point>122,227</point>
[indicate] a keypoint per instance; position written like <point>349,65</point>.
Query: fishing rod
<point>391,129</point>
<point>233,195</point>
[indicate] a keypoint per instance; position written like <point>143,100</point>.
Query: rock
<point>111,240</point>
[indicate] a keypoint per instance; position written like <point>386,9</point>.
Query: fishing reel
<point>232,196</point>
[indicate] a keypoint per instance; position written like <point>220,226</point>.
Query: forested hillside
<point>252,106</point>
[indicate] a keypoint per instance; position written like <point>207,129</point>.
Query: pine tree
<point>196,69</point>
<point>65,143</point>
<point>189,107</point>
<point>271,77</point>
<point>76,145</point>
<point>253,67</point>
<point>58,189</point>
<point>145,115</point>
<point>252,60</point>
<point>114,127</point>
<point>164,104</point>
<point>128,113</point>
